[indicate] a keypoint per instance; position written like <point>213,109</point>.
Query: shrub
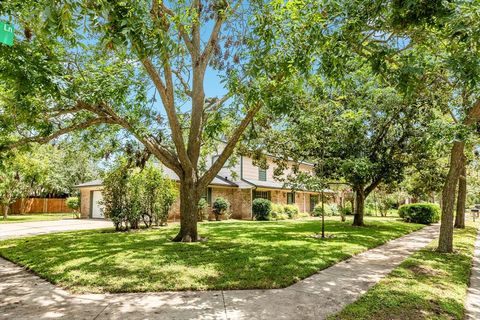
<point>131,195</point>
<point>291,210</point>
<point>262,209</point>
<point>220,207</point>
<point>302,215</point>
<point>202,212</point>
<point>347,210</point>
<point>278,210</point>
<point>424,213</point>
<point>281,216</point>
<point>330,210</point>
<point>73,203</point>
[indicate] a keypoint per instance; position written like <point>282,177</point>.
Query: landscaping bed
<point>428,285</point>
<point>237,255</point>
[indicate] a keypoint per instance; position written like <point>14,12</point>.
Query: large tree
<point>141,67</point>
<point>359,130</point>
<point>438,41</point>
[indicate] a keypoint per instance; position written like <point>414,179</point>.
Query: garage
<point>96,205</point>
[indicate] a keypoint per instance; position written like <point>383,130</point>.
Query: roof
<point>217,181</point>
<point>275,185</point>
<point>94,183</point>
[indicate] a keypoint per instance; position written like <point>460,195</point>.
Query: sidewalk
<point>26,296</point>
<point>472,303</point>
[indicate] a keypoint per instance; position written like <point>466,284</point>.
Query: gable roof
<point>217,181</point>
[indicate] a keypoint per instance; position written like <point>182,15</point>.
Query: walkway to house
<point>472,303</point>
<point>16,230</point>
<point>26,296</point>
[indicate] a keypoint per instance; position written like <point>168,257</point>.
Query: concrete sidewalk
<point>17,230</point>
<point>26,296</point>
<point>472,303</point>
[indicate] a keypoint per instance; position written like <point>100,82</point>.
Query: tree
<point>429,44</point>
<point>362,131</point>
<point>18,174</point>
<point>59,75</point>
<point>132,194</point>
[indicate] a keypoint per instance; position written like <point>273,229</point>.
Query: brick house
<point>240,184</point>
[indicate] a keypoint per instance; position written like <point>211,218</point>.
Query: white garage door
<point>97,208</point>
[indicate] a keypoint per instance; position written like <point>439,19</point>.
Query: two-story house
<point>240,184</point>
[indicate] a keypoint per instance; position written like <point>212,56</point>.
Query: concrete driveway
<point>16,230</point>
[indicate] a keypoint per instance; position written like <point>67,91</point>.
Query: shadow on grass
<point>238,255</point>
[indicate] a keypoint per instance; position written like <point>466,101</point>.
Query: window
<point>262,174</point>
<point>262,194</point>
<point>290,197</point>
<point>208,196</point>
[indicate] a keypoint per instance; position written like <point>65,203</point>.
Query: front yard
<point>237,255</point>
<point>36,217</point>
<point>427,285</point>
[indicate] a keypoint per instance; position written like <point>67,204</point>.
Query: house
<point>240,184</point>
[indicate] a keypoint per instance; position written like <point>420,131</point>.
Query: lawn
<point>237,255</point>
<point>428,285</point>
<point>36,217</point>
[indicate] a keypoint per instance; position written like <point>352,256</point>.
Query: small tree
<point>166,196</point>
<point>115,189</point>
<point>220,207</point>
<point>73,203</point>
<point>132,194</point>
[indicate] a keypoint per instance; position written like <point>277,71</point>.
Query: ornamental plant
<point>262,209</point>
<point>73,203</point>
<point>220,207</point>
<point>424,213</point>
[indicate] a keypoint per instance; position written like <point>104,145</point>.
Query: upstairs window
<point>262,174</point>
<point>291,198</point>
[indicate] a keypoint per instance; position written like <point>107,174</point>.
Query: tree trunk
<point>359,207</point>
<point>445,241</point>
<point>189,197</point>
<point>462,196</point>
<point>5,212</point>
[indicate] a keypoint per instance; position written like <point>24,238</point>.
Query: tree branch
<point>228,150</point>
<point>60,132</point>
<point>166,93</point>
<point>180,27</point>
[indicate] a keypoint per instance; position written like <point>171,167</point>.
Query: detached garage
<point>91,197</point>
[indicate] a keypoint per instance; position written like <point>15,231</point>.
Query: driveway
<point>16,230</point>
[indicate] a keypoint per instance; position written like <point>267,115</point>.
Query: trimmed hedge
<point>424,213</point>
<point>262,209</point>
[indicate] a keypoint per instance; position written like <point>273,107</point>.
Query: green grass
<point>237,255</point>
<point>36,217</point>
<point>428,285</point>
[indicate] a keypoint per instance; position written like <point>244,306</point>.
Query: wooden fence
<point>39,205</point>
